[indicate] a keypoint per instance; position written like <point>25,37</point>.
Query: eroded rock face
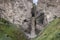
<point>50,8</point>
<point>16,11</point>
<point>46,11</point>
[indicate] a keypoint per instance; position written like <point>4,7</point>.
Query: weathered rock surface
<point>46,11</point>
<point>19,12</point>
<point>16,11</point>
<point>50,8</point>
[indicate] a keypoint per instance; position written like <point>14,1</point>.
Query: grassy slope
<point>9,31</point>
<point>51,32</point>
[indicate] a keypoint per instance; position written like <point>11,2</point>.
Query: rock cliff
<point>46,11</point>
<point>19,12</point>
<point>16,11</point>
<point>50,8</point>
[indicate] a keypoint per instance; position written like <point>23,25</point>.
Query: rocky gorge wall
<point>15,10</point>
<point>19,12</point>
<point>46,11</point>
<point>51,8</point>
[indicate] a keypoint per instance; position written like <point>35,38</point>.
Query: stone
<point>17,12</point>
<point>51,8</point>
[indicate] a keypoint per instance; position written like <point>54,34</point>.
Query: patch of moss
<point>9,31</point>
<point>51,32</point>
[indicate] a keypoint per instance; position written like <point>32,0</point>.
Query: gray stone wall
<point>16,11</point>
<point>51,8</point>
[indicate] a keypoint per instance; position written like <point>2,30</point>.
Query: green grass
<point>8,31</point>
<point>51,32</point>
